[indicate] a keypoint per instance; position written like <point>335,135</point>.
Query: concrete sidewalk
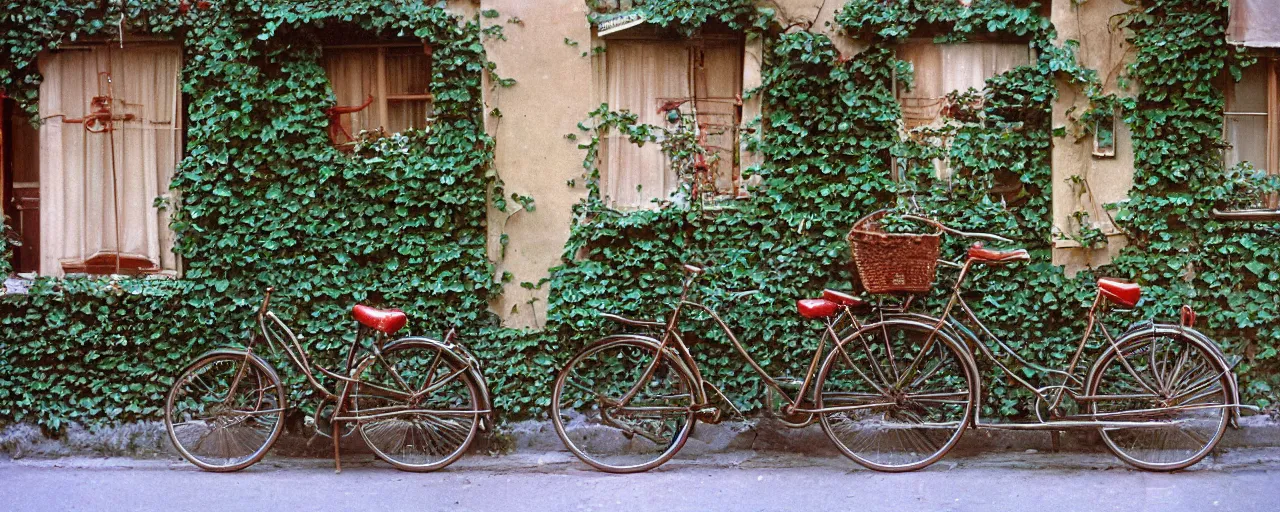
<point>1234,480</point>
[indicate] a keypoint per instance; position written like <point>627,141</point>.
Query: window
<point>391,81</point>
<point>1252,120</point>
<point>109,144</point>
<point>701,80</point>
<point>943,68</point>
<point>20,146</point>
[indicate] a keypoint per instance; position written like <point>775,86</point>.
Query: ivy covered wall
<point>267,202</point>
<point>829,132</point>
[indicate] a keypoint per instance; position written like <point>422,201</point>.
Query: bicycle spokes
<point>417,405</point>
<point>1176,392</point>
<point>224,412</point>
<point>893,399</point>
<point>614,436</point>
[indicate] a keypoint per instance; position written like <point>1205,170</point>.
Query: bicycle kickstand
<point>338,411</point>
<point>337,456</point>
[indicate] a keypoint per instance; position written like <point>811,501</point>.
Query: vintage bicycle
<point>416,402</point>
<point>897,393</point>
<point>628,402</point>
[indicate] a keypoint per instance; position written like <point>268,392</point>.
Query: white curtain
<point>718,82</point>
<point>407,75</point>
<point>1247,118</point>
<point>1255,23</point>
<point>943,68</point>
<point>98,189</point>
<point>354,75</point>
<point>642,75</point>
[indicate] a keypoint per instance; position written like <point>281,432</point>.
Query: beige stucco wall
<point>533,158</point>
<point>1109,179</point>
<point>554,91</point>
<point>556,88</point>
<point>821,13</point>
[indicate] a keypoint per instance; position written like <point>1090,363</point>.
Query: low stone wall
<point>149,440</point>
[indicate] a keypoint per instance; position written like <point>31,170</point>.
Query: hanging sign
<point>619,23</point>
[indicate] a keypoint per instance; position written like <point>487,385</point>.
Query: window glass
<point>109,146</point>
<point>394,80</point>
<point>702,77</point>
<point>1246,118</point>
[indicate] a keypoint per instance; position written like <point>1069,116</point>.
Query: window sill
<point>1259,214</point>
<point>16,285</point>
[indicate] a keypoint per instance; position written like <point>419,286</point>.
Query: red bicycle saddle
<point>843,299</point>
<point>816,308</point>
<point>1120,292</point>
<point>989,256</point>
<point>385,320</point>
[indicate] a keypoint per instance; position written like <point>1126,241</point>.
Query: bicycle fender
<point>1194,336</point>
<point>474,369</point>
<point>233,351</point>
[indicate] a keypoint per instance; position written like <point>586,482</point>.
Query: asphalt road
<point>747,481</point>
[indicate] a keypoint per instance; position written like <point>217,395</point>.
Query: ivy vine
<point>401,221</point>
<point>828,136</point>
<point>267,201</point>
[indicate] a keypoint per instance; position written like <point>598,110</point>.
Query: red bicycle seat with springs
<point>816,308</point>
<point>989,256</point>
<point>843,299</point>
<point>1120,292</point>
<point>385,320</point>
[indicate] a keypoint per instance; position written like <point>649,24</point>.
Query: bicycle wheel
<point>420,405</point>
<point>225,411</point>
<point>899,402</point>
<point>1170,381</point>
<point>639,436</point>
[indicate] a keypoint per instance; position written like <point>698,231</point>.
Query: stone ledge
<point>148,440</point>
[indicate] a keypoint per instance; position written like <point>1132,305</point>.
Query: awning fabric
<point>1255,23</point>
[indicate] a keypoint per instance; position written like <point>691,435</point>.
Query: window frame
<point>1272,62</point>
<point>382,96</point>
<point>718,36</point>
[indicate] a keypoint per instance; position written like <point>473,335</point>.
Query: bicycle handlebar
<point>965,234</point>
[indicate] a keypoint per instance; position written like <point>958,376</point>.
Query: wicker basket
<point>893,262</point>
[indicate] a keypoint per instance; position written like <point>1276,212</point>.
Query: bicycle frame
<point>269,323</point>
<point>671,340</point>
<point>1052,395</point>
